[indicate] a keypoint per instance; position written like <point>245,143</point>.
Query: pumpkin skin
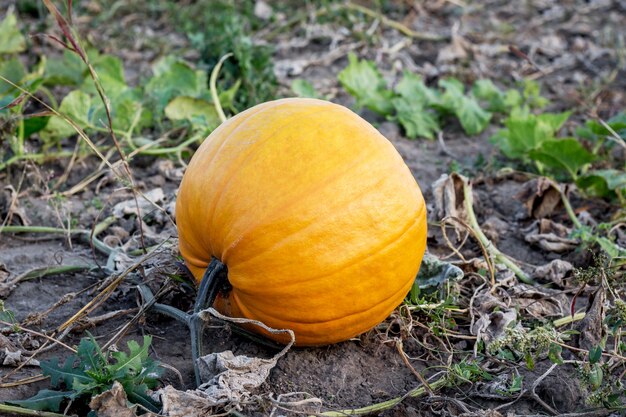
<point>319,221</point>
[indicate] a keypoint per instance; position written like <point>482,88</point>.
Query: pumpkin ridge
<point>312,223</point>
<point>250,153</point>
<point>247,309</point>
<point>353,262</point>
<point>248,113</point>
<point>366,157</point>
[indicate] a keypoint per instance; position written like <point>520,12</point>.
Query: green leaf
<point>89,353</point>
<point>76,105</point>
<point>595,376</point>
<point>554,120</point>
<point>526,132</point>
<point>45,400</point>
<point>6,315</point>
<point>365,83</point>
<point>610,247</point>
<point>173,77</point>
<point>200,113</point>
<point>34,125</point>
<point>603,182</point>
<point>11,40</point>
<point>68,70</point>
<point>303,88</point>
<point>14,71</point>
<point>554,354</point>
<point>563,155</point>
<point>133,361</point>
<point>227,97</point>
<point>415,119</point>
<point>67,373</point>
<point>595,353</point>
<point>516,384</point>
<point>487,91</point>
<point>530,361</point>
<point>532,95</point>
<point>126,110</point>
<point>111,75</point>
<point>471,116</point>
<point>412,87</point>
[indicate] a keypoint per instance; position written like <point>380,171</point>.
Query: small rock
<point>262,10</point>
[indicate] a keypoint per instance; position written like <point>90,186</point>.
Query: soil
<point>573,47</point>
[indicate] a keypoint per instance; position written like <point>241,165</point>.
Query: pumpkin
<point>320,223</point>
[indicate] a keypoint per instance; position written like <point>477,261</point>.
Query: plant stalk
<point>490,247</point>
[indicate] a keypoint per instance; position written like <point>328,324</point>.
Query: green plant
<point>421,109</point>
<point>176,96</point>
<point>91,372</point>
<point>216,28</point>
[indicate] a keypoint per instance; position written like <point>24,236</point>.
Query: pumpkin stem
<point>207,292</point>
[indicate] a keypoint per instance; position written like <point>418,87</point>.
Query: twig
<point>568,319</point>
<point>386,405</point>
<point>106,292</point>
<point>393,24</point>
<point>405,359</point>
<point>36,333</point>
<point>28,411</point>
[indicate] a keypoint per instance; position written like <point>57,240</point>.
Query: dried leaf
<point>551,236</point>
<point>539,302</point>
<point>555,271</point>
<point>146,203</point>
<point>113,403</point>
<point>591,328</point>
<point>494,317</point>
<point>541,197</point>
<point>493,227</point>
<point>448,196</point>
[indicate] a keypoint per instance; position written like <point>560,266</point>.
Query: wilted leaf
<point>44,400</point>
<point>541,196</point>
<point>555,271</point>
<point>552,237</point>
<point>11,40</point>
<point>591,327</point>
<point>414,118</point>
<point>448,196</point>
<point>114,403</point>
<point>365,83</point>
<point>303,88</point>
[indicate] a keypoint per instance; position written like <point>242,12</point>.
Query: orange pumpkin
<point>320,223</point>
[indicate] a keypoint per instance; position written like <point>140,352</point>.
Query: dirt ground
<point>574,46</point>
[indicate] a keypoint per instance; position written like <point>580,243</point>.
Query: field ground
<point>575,51</point>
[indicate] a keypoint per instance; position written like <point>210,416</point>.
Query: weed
<point>91,372</point>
